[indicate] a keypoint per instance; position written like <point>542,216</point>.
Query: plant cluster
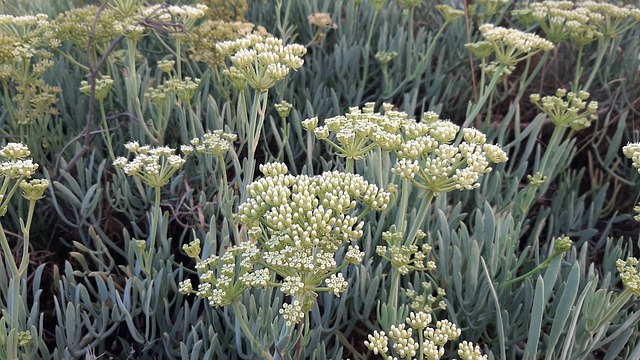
<point>190,181</point>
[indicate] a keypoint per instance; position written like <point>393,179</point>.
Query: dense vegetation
<point>319,179</point>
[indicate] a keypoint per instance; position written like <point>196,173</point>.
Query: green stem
<point>410,41</point>
<point>178,59</point>
<point>195,129</point>
<point>349,165</point>
<point>419,219</point>
<point>538,268</point>
<point>474,109</point>
<point>131,81</point>
<point>255,128</point>
<point>373,25</point>
<point>25,239</point>
<point>576,80</point>
<point>394,290</point>
<point>544,168</point>
<point>106,134</point>
<point>154,230</point>
<point>402,206</point>
<point>265,355</point>
<point>596,67</point>
<point>13,267</point>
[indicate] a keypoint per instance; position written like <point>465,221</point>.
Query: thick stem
<point>603,43</point>
<point>576,80</point>
<point>394,290</point>
<point>419,219</point>
<point>178,59</point>
<point>255,126</point>
<point>349,165</point>
<point>154,230</point>
<point>402,206</point>
<point>106,133</point>
<point>265,354</point>
<point>410,41</point>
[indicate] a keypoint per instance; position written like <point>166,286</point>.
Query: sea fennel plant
<point>428,163</point>
<point>21,330</point>
<point>296,226</point>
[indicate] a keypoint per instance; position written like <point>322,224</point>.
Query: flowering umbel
<point>425,150</point>
<point>261,61</point>
<point>431,342</point>
<point>568,109</point>
<point>154,166</point>
<point>296,224</point>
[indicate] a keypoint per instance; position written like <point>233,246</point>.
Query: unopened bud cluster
<point>431,162</point>
<point>16,169</point>
<point>426,301</point>
<point>215,143</point>
<point>629,274</point>
<point>581,22</point>
<point>154,166</point>
<point>431,345</point>
<point>103,86</point>
<point>260,61</point>
<point>568,109</point>
<point>511,46</point>
<point>405,258</point>
<point>296,225</point>
<point>16,164</point>
<point>425,154</point>
<point>632,151</point>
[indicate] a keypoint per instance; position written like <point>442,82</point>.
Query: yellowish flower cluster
<point>629,274</point>
<point>431,345</point>
<point>260,61</point>
<point>297,224</point>
<point>511,46</point>
<point>154,166</point>
<point>568,109</point>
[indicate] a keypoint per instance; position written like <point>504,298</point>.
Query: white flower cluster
<point>300,222</point>
<point>183,14</point>
<point>16,165</point>
<point>568,109</point>
<point>21,25</point>
<point>215,143</point>
<point>511,46</point>
<point>184,89</point>
<point>612,20</point>
<point>154,166</point>
<point>632,151</point>
<point>424,151</point>
<point>103,86</point>
<point>360,130</point>
<point>292,313</point>
<point>433,164</point>
<point>428,303</point>
<point>405,258</point>
<point>337,284</point>
<point>222,281</point>
<point>629,275</point>
<point>560,20</point>
<point>469,351</point>
<point>260,61</point>
<point>433,342</point>
<point>582,22</point>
